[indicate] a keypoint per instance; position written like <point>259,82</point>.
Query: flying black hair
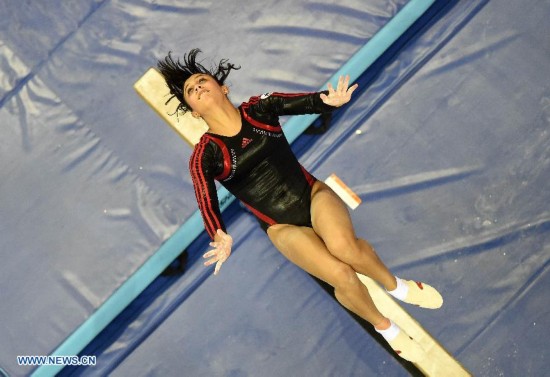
<point>176,73</point>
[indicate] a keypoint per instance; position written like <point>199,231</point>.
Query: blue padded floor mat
<point>419,177</point>
<point>93,181</point>
<point>454,182</point>
<point>453,178</point>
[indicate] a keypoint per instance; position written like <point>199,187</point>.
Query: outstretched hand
<point>221,251</point>
<point>341,95</point>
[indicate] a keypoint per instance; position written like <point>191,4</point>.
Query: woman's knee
<point>285,236</point>
<point>344,277</point>
<point>344,246</point>
<point>274,231</point>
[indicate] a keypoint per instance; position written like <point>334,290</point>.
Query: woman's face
<point>202,91</point>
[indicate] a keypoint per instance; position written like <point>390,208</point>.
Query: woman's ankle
<point>383,325</point>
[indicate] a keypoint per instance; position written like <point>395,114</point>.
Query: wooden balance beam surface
<point>438,362</point>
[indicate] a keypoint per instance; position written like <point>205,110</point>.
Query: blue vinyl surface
<point>94,183</point>
<point>448,146</point>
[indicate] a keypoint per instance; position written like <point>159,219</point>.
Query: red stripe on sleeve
<point>290,95</point>
<point>226,158</point>
<point>200,183</point>
<point>256,123</point>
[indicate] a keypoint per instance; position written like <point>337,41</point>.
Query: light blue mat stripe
<point>191,229</point>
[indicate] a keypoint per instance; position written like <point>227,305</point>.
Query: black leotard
<point>257,165</point>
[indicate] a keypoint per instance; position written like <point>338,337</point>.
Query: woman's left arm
<point>277,104</point>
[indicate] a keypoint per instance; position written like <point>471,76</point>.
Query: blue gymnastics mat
<point>453,138</point>
<point>447,146</point>
<point>94,183</point>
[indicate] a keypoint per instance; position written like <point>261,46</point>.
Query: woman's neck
<point>224,120</point>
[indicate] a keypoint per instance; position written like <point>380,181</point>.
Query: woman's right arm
<point>202,166</point>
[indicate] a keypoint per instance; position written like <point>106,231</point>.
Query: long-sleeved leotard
<point>257,165</point>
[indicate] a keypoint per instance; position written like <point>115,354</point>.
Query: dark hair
<point>176,73</point>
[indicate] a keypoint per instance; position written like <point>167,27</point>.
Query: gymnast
<point>246,151</point>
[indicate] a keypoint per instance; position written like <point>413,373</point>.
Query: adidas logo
<point>245,142</point>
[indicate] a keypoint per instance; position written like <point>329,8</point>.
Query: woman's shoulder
<point>259,99</point>
<point>260,107</point>
<point>206,146</point>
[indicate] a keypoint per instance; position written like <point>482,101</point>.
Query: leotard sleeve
<point>203,168</point>
<point>277,104</point>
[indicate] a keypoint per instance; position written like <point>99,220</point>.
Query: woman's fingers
<point>346,82</point>
<point>341,95</point>
<point>215,256</point>
<point>352,89</point>
<point>221,251</point>
<point>343,82</point>
<point>218,252</point>
<point>212,257</point>
<point>218,266</point>
<point>342,88</point>
<point>218,257</point>
<point>210,262</point>
<point>210,253</point>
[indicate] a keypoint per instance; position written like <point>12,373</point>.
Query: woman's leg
<point>332,222</point>
<point>303,247</point>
